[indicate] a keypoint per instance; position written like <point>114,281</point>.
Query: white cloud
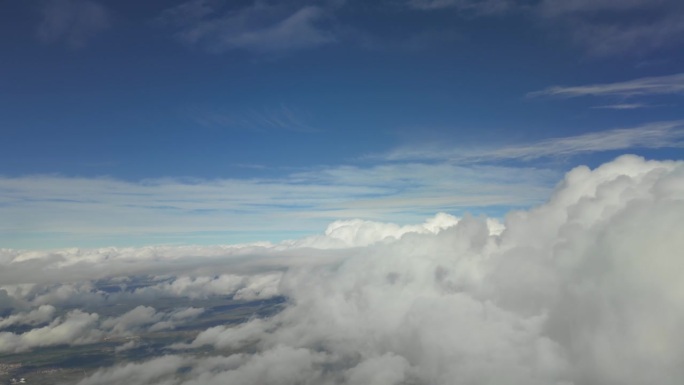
<point>585,288</point>
<point>361,233</point>
<point>75,328</point>
<point>240,287</point>
<point>42,314</point>
<point>132,344</point>
<point>74,22</point>
<point>186,313</point>
<point>78,327</point>
<point>76,294</point>
<point>384,370</point>
<point>146,373</point>
<point>281,365</point>
<point>132,320</point>
<point>659,85</point>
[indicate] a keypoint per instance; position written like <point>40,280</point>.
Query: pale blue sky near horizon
<point>133,123</point>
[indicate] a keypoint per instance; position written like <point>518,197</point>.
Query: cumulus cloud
<point>584,288</point>
<point>359,233</point>
<point>261,286</point>
<point>78,327</point>
<point>187,313</point>
<point>74,22</point>
<point>132,320</point>
<point>146,318</point>
<point>149,372</point>
<point>75,328</point>
<point>42,314</point>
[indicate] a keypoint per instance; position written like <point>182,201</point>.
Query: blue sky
<point>134,123</point>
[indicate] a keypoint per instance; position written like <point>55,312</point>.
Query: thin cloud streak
<point>280,118</point>
<point>659,85</point>
<point>651,135</point>
<point>477,6</point>
<point>624,106</point>
<point>654,135</point>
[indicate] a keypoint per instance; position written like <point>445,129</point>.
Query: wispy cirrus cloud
<point>37,209</point>
<point>602,27</point>
<point>606,39</point>
<point>401,186</point>
<point>74,22</point>
<point>606,27</point>
<point>623,106</point>
<point>259,27</point>
<point>651,135</point>
<point>279,118</point>
<point>477,6</point>
<point>656,85</point>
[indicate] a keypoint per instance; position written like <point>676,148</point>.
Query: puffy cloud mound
<point>42,314</point>
<point>358,233</point>
<point>584,289</point>
<point>78,327</point>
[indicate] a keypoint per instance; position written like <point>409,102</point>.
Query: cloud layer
<point>582,289</point>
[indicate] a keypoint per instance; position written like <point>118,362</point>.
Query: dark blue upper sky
<point>315,94</point>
